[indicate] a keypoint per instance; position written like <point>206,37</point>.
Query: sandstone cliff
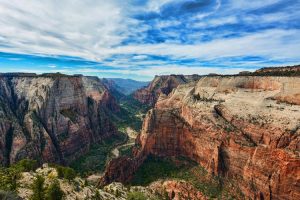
<point>52,117</point>
<point>244,128</point>
<point>161,85</point>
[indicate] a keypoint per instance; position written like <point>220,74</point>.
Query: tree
<point>69,173</point>
<point>54,191</point>
<point>38,189</point>
<point>25,165</point>
<point>66,172</point>
<point>97,196</point>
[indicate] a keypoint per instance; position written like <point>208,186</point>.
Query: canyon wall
<point>161,85</point>
<point>52,117</point>
<point>245,128</point>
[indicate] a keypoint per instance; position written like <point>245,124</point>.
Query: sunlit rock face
<point>233,126</point>
<point>53,117</point>
<point>161,85</point>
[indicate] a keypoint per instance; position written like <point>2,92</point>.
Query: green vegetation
<point>38,189</point>
<point>54,75</point>
<point>94,161</point>
<point>97,196</point>
<point>131,114</point>
<point>281,71</point>
<point>182,169</point>
<point>126,151</point>
<point>10,175</point>
<point>136,196</point>
<point>65,172</point>
<point>54,191</point>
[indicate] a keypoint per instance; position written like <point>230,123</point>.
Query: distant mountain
<point>127,86</point>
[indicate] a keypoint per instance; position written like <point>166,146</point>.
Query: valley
<point>180,137</point>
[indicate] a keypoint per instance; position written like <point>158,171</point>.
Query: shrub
<point>25,165</point>
<point>69,173</point>
<point>65,172</point>
<point>8,179</point>
<point>54,191</point>
<point>97,196</point>
<point>136,196</point>
<point>5,195</point>
<point>9,176</point>
<point>38,189</point>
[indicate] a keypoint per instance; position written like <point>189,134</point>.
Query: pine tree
<point>38,189</point>
<point>54,191</point>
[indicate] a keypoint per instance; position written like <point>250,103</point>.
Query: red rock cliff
<point>230,126</point>
<point>161,85</point>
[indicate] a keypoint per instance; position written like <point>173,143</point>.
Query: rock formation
<point>234,126</point>
<point>161,85</point>
<point>52,117</point>
<point>279,71</point>
<point>79,189</point>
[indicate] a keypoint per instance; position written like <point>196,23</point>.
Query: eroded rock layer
<point>234,127</point>
<point>52,118</point>
<point>161,85</point>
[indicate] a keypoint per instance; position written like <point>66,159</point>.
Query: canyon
<point>243,128</point>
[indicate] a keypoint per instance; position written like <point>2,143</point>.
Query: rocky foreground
<point>82,189</point>
<point>52,117</point>
<point>245,128</point>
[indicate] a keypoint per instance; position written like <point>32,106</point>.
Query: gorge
<point>242,130</point>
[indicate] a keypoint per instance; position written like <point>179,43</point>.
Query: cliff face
<point>161,85</point>
<point>52,118</point>
<point>234,127</point>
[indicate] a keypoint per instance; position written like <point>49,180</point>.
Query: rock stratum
<point>52,117</point>
<point>161,85</point>
<point>245,128</point>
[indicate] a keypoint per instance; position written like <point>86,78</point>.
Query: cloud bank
<point>142,38</point>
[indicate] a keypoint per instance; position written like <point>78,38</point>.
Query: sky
<point>139,39</point>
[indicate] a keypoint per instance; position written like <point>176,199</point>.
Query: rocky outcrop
<point>177,190</point>
<point>79,189</point>
<point>279,71</point>
<point>231,127</point>
<point>161,85</point>
<point>52,117</point>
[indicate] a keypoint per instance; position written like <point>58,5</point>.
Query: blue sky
<point>141,38</point>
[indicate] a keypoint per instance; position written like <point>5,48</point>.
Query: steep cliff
<point>161,85</point>
<point>52,117</point>
<point>234,127</point>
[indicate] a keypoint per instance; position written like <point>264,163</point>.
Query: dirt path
<point>132,134</point>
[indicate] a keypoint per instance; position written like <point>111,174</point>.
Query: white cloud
<point>95,30</point>
<point>270,43</point>
<point>52,66</point>
<point>74,28</point>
